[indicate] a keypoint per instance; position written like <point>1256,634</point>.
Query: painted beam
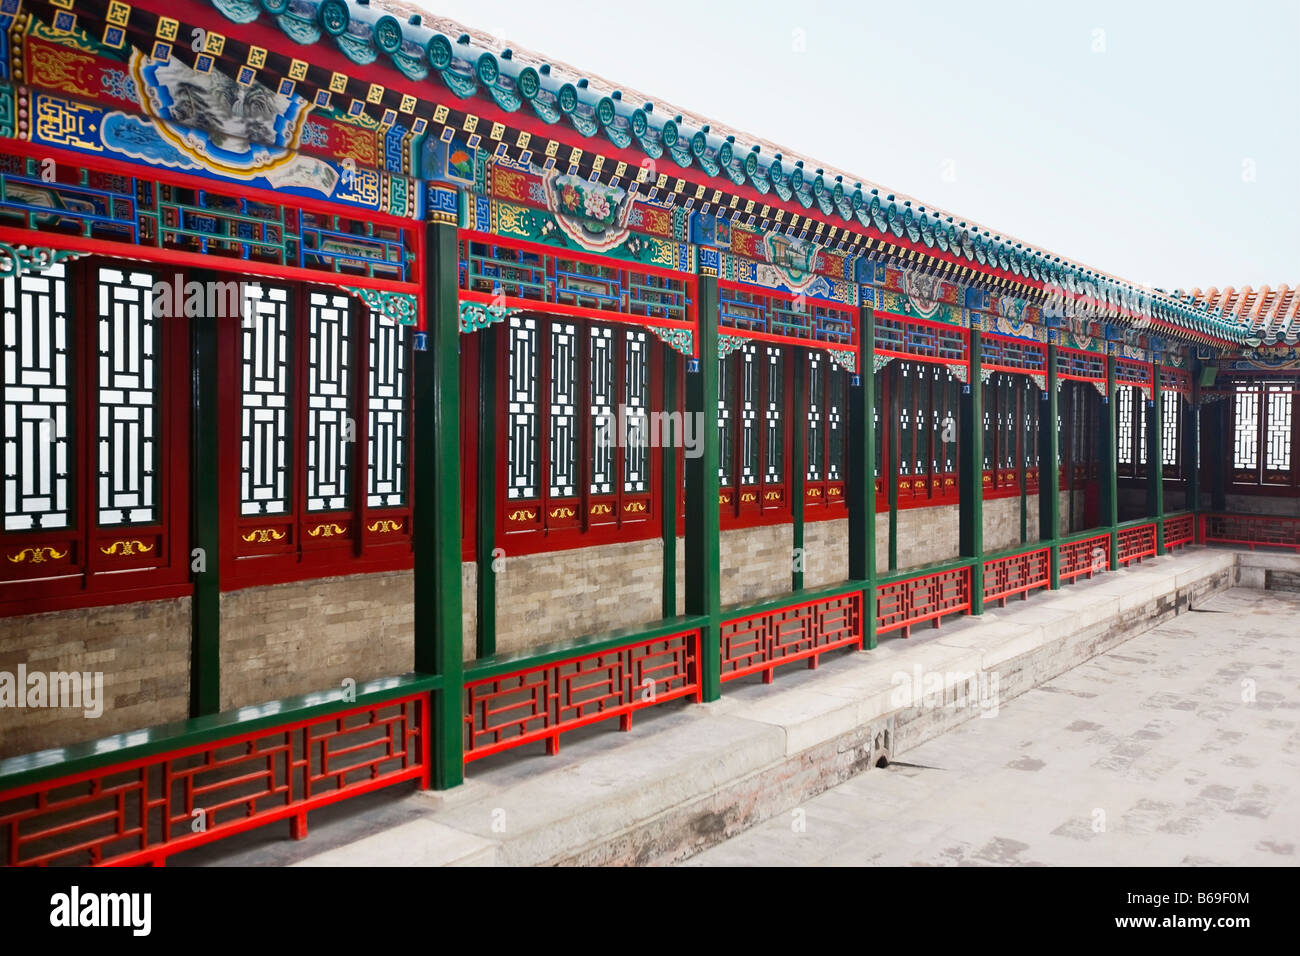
<point>436,506</point>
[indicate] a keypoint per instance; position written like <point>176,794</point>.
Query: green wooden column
<point>1155,459</point>
<point>895,442</point>
<point>436,506</point>
<point>668,486</point>
<point>485,495</point>
<point>798,467</point>
<point>1049,472</point>
<point>205,531</point>
<point>862,466</point>
<point>703,575</point>
<point>970,455</point>
<point>1110,464</point>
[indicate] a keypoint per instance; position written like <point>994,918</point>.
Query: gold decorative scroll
<point>635,506</point>
<point>328,530</point>
<point>38,555</point>
<point>263,536</point>
<point>384,526</point>
<point>126,548</point>
<point>562,513</point>
<point>523,515</point>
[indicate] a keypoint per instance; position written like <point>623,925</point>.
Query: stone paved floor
<point>1153,754</point>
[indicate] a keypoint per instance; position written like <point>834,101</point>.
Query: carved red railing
<point>1137,543</point>
<point>1180,530</point>
<point>540,702</point>
<point>144,810</point>
<point>1085,557</point>
<point>927,597</point>
<point>1017,574</point>
<point>768,639</point>
<point>1270,531</point>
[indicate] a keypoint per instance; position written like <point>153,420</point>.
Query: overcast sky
<point>1159,141</point>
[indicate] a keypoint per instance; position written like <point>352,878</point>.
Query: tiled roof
<point>425,46</point>
<point>1270,314</point>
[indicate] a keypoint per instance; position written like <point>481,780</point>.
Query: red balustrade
<point>1272,531</point>
<point>146,809</point>
<point>1180,530</point>
<point>1084,558</point>
<point>764,641</point>
<point>1137,543</point>
<point>927,597</point>
<point>542,701</point>
<point>1017,574</point>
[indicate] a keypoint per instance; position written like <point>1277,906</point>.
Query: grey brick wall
<point>305,636</point>
<point>142,649</point>
<point>926,535</point>
<point>562,595</point>
<point>826,552</point>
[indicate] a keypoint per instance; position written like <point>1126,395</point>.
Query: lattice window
<point>562,431</point>
<point>38,402</point>
<point>926,396</point>
<point>816,409</point>
<point>836,408</point>
<point>266,376</point>
<point>1246,407</point>
<point>89,404</point>
<point>331,429</point>
<point>1141,411</point>
<point>387,415</point>
<point>756,396</point>
<point>601,375</point>
<point>521,410</point>
<point>1171,424</point>
<point>1124,411</point>
<point>580,410</point>
<point>127,399</point>
<point>1005,402</point>
<point>749,372</point>
<point>825,449</point>
<point>1278,429</point>
<point>636,400</point>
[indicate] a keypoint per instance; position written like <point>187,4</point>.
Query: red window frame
<point>1259,478</point>
<point>299,544</point>
<point>547,522</point>
<point>938,486</point>
<point>766,501</point>
<point>108,564</point>
<point>827,397</point>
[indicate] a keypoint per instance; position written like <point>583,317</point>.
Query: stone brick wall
<point>926,535</point>
<point>142,650</point>
<point>826,552</point>
<point>305,636</point>
<point>562,595</point>
<point>755,563</point>
<point>1002,523</point>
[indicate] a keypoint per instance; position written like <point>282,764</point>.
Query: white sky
<point>1157,141</point>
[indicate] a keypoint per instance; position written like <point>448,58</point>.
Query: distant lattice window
<point>1171,424</point>
<point>1246,409</point>
<point>1277,447</point>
